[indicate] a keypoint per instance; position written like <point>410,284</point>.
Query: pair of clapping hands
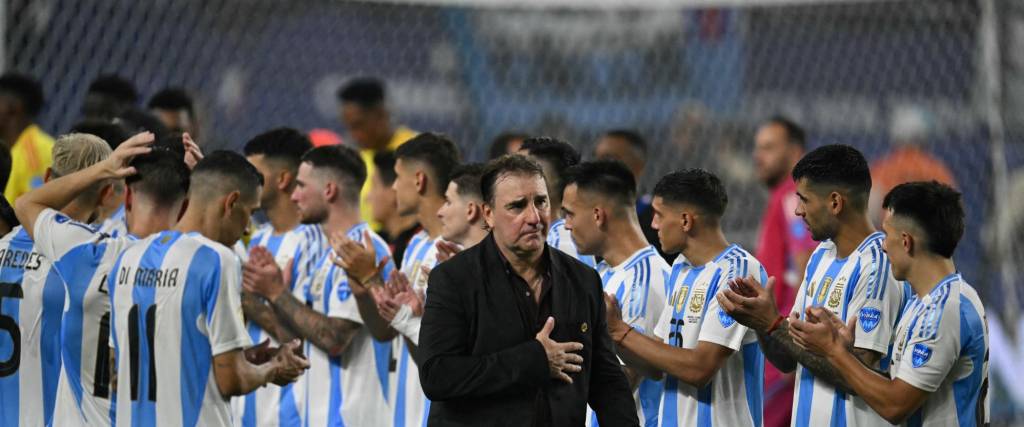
<point>820,331</point>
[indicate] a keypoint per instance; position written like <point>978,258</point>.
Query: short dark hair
<point>172,98</point>
<point>161,174</point>
<point>499,145</point>
<point>608,178</point>
<point>560,154</point>
<point>837,165</point>
<point>366,92</point>
<point>934,207</point>
<point>283,144</point>
<point>26,89</point>
<point>506,165</point>
<point>343,164</point>
<point>173,142</point>
<point>384,164</point>
<point>696,187</point>
<point>467,178</point>
<point>116,88</point>
<point>137,120</point>
<point>795,133</point>
<point>114,134</point>
<point>436,151</point>
<point>222,172</point>
<point>632,137</point>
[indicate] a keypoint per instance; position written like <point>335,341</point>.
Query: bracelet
<point>624,335</point>
<point>775,325</point>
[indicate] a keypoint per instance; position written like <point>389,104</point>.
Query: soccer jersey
<point>941,347</point>
<point>82,258</point>
<point>735,393</point>
<point>175,305</point>
<point>561,238</point>
<point>31,304</point>
<point>640,285</point>
<point>273,405</point>
<point>860,284</point>
<point>116,225</point>
<point>410,405</point>
<point>350,390</point>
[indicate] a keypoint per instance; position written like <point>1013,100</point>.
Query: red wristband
<point>775,325</point>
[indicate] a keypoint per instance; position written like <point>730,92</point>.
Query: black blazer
<point>480,364</point>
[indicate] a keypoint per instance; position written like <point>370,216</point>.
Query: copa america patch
<point>921,355</point>
<point>869,318</point>
<point>725,319</point>
<point>61,218</point>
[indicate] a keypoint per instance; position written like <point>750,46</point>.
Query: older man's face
<point>521,214</point>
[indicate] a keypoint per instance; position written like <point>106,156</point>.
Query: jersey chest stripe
<point>851,286</point>
<point>805,398</point>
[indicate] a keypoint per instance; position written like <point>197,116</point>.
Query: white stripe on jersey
<point>175,305</point>
<point>735,395</point>
<point>31,305</point>
<point>82,260</point>
<point>273,405</point>
<point>560,238</point>
<point>349,390</point>
<point>941,347</point>
<point>410,405</point>
<point>640,285</point>
<point>860,284</point>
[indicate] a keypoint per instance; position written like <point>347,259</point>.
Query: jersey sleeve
<point>55,234</point>
<point>340,302</point>
<point>877,300</point>
<point>932,351</point>
<point>642,310</point>
<point>719,327</point>
<point>661,328</point>
<point>223,309</point>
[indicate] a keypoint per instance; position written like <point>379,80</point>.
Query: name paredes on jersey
<point>13,258</point>
<point>148,277</point>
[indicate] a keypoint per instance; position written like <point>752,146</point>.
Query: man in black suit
<point>514,332</point>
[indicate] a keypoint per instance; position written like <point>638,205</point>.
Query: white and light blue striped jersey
<point>860,284</point>
<point>350,390</point>
<point>941,347</point>
<point>410,405</point>
<point>561,238</point>
<point>640,285</point>
<point>82,259</point>
<point>273,405</point>
<point>175,305</point>
<point>116,225</point>
<point>31,305</point>
<point>735,394</point>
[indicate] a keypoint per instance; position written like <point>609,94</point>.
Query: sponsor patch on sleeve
<point>869,318</point>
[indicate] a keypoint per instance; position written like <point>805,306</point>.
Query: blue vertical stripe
<point>400,393</point>
<point>804,399</point>
<point>334,418</point>
<point>49,340</point>
<point>967,391</point>
<point>670,402</point>
<point>143,409</point>
<point>202,285</point>
<point>87,257</point>
<point>753,380</point>
<point>704,405</point>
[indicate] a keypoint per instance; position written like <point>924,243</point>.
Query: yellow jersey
<point>401,135</point>
<point>31,155</point>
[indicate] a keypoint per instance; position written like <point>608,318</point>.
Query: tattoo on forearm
<point>782,342</point>
<point>331,335</point>
<point>263,315</point>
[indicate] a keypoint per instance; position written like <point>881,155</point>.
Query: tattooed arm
<point>330,334</point>
<point>259,312</point>
<point>779,348</point>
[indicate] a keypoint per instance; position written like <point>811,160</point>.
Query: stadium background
<point>694,76</point>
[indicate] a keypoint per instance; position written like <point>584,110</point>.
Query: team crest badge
<point>822,290</point>
<point>869,318</point>
<point>921,355</point>
<point>697,301</point>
